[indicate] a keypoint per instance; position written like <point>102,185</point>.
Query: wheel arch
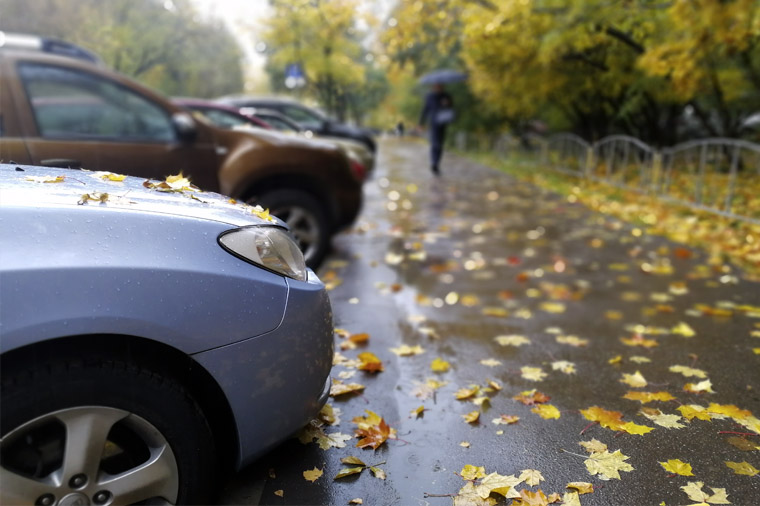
<point>201,385</point>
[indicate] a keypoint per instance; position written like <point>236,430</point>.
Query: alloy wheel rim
<point>87,455</point>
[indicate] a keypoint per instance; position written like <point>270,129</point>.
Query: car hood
<point>23,185</point>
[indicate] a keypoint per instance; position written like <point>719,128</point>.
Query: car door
<point>79,118</point>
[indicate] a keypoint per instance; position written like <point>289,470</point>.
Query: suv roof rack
<point>46,45</point>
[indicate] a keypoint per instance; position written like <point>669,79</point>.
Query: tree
<point>323,39</point>
<point>163,44</point>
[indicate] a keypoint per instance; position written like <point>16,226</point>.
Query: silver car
<point>152,338</point>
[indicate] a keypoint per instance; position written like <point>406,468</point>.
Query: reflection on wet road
<point>517,289</point>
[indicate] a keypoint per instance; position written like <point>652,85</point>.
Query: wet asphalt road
<point>451,263</point>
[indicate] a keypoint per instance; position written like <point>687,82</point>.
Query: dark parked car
<point>306,117</point>
<point>154,338</point>
<point>61,109</point>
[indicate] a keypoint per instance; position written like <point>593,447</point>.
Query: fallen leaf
<point>499,312</point>
<point>468,496</point>
<point>405,350</point>
<point>490,362</point>
<point>348,471</point>
<point>353,460</point>
<point>496,483</point>
<point>531,397</point>
<point>417,412</point>
<point>312,475</point>
<point>330,414</point>
<point>744,468</point>
<point>639,340</point>
<point>607,465</point>
<point>472,416</point>
<point>693,489</point>
<point>439,365</point>
<point>683,329</point>
<point>564,366</point>
<point>466,393</point>
<point>743,444</point>
<point>552,307</point>
<point>279,493</point>
<point>571,499</point>
<point>358,500</point>
<point>645,397</point>
<point>370,362</point>
<point>546,411</point>
<point>530,498</point>
<point>45,179</point>
<point>340,388</point>
<point>531,476</point>
<point>582,487</point>
<point>511,340</point>
<point>465,444</point>
<point>676,466</point>
<point>377,473</point>
<point>593,446</point>
<point>95,197</point>
<point>574,341</point>
<point>505,420</point>
<point>688,371</point>
<point>109,176</point>
<point>635,380</point>
<point>662,419</point>
<point>372,430</point>
<point>698,388</point>
<point>532,373</point>
<point>470,472</point>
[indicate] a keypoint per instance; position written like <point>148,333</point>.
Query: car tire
<point>99,431</point>
<point>307,221</point>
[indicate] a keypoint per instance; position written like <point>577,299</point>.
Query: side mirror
<point>184,125</point>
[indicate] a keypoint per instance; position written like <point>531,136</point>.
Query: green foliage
<point>166,48</point>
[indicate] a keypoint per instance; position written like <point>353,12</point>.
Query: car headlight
<point>268,247</point>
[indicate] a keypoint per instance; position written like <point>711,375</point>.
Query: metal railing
<point>716,175</point>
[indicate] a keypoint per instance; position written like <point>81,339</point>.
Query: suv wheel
<point>102,433</point>
<point>305,217</point>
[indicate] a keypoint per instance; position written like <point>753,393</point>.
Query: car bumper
<point>275,383</point>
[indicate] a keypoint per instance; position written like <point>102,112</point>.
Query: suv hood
<point>35,187</point>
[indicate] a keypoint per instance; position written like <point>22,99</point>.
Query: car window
<point>74,104</point>
<point>223,119</point>
<point>279,124</point>
<point>306,118</point>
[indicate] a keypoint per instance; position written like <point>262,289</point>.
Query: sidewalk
<point>518,289</point>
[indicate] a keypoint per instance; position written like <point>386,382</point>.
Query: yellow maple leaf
<point>490,362</point>
<point>532,373</point>
<point>552,307</point>
<point>729,410</point>
<point>691,411</point>
<point>468,496</point>
<point>575,341</point>
<point>744,468</point>
<point>498,484</point>
<point>704,386</point>
<point>505,420</point>
<point>645,397</point>
<point>340,388</point>
<point>639,340</point>
<point>571,499</point>
<point>693,489</point>
<point>109,176</point>
<point>564,366</point>
<point>546,411</point>
<point>466,393</point>
<point>683,329</point>
<point>607,465</point>
<point>688,371</point>
<point>334,440</point>
<point>405,350</point>
<point>532,477</point>
<point>439,365</point>
<point>471,417</point>
<point>608,419</point>
<point>370,362</point>
<point>470,472</point>
<point>593,446</point>
<point>372,430</point>
<point>582,487</point>
<point>635,429</point>
<point>312,475</point>
<point>511,340</point>
<point>676,466</point>
<point>662,419</point>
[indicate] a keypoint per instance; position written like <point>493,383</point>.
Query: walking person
<point>438,112</point>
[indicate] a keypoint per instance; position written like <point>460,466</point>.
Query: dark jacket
<point>434,102</point>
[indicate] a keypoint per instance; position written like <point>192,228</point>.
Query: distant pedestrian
<point>400,129</point>
<point>438,112</point>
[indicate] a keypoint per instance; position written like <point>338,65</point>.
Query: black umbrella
<point>443,76</point>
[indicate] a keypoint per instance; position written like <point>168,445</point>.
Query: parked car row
<point>153,336</point>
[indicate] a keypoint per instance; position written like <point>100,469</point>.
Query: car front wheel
<point>101,432</point>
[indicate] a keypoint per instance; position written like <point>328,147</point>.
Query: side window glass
<point>305,118</point>
<point>70,104</point>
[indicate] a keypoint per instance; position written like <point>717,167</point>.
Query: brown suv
<point>61,108</point>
